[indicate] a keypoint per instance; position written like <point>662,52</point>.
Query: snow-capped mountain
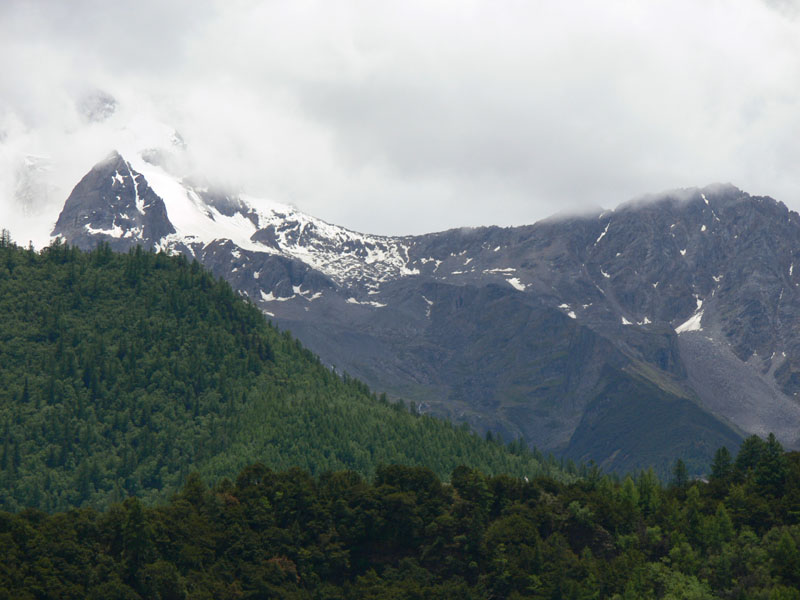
<point>115,202</point>
<point>669,325</point>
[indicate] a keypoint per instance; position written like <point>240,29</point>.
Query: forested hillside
<point>407,535</point>
<point>120,374</point>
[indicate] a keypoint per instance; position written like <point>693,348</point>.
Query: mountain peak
<point>126,203</point>
<point>115,204</point>
<point>680,197</point>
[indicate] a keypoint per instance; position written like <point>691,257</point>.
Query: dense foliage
<point>121,373</point>
<point>407,535</point>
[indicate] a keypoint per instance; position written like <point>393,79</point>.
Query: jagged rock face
<point>724,255</point>
<point>114,204</point>
<point>667,325</point>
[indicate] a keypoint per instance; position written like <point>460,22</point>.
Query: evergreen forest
<point>122,373</point>
<point>407,535</point>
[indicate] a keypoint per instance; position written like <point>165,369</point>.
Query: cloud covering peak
<point>406,117</point>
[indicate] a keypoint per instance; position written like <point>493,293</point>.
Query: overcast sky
<point>408,117</point>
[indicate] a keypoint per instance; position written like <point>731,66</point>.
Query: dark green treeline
<point>119,374</point>
<point>408,536</point>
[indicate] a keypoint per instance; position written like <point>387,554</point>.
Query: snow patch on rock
<point>516,284</point>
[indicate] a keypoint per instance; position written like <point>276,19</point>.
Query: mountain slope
<point>120,373</point>
<point>511,328</point>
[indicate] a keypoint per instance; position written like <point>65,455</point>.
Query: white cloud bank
<point>408,117</point>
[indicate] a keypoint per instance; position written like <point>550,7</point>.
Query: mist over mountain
<point>370,116</point>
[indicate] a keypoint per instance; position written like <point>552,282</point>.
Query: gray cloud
<point>411,117</point>
<point>789,8</point>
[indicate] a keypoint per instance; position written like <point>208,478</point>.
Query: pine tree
<point>750,453</point>
<point>722,466</point>
<point>680,475</point>
<point>771,470</point>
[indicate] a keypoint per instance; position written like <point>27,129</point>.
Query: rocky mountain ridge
<point>668,324</point>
